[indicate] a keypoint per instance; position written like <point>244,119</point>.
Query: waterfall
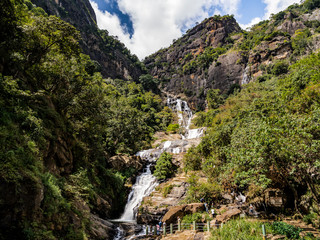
<point>185,116</point>
<point>183,111</point>
<point>246,76</point>
<point>119,234</point>
<point>145,184</point>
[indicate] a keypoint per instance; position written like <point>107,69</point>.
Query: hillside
<point>66,134</point>
<point>218,54</point>
<point>262,138</point>
<point>112,57</point>
<point>71,123</point>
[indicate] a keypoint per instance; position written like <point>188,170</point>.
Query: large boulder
<point>231,213</point>
<point>180,211</point>
<point>100,228</point>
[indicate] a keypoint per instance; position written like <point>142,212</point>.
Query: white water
<point>119,234</point>
<point>146,182</point>
<point>185,116</point>
<point>183,111</point>
<point>195,133</point>
<point>144,185</point>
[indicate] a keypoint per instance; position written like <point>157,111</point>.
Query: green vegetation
<point>167,190</point>
<point>60,123</point>
<point>164,167</point>
<point>214,98</point>
<point>198,217</point>
<point>173,128</point>
<point>210,191</point>
<point>286,229</point>
<point>203,60</point>
<point>240,230</point>
<point>192,160</point>
<point>243,229</point>
<point>267,134</point>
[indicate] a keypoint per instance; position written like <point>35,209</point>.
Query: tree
<point>148,83</point>
<point>214,98</point>
<point>164,167</point>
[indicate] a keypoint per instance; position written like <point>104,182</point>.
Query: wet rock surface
<point>100,228</point>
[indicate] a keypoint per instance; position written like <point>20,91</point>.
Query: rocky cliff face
<point>183,67</point>
<point>217,54</point>
<point>113,58</point>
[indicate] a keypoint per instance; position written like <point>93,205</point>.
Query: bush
<point>280,68</point>
<point>164,167</point>
<point>311,4</point>
<point>173,128</point>
<point>192,160</point>
<point>206,190</point>
<point>286,229</point>
<point>195,217</point>
<point>312,218</point>
<point>264,78</point>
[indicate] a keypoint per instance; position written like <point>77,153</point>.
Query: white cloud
<point>157,22</point>
<point>272,7</point>
<point>253,22</point>
<point>110,22</point>
<point>275,6</point>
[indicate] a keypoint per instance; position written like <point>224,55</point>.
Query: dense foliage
<point>288,230</point>
<point>267,135</point>
<point>60,122</point>
<point>164,167</point>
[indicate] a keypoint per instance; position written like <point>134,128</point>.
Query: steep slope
<point>62,129</point>
<point>183,67</point>
<point>217,54</point>
<point>114,58</point>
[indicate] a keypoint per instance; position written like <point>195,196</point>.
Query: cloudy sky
<point>145,26</point>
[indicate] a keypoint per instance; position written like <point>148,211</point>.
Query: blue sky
<point>145,26</point>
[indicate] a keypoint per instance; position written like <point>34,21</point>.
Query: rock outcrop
<point>155,206</point>
<point>100,228</point>
<point>113,58</point>
<point>122,161</point>
<point>180,211</point>
<point>226,216</point>
<point>168,64</point>
<point>217,54</point>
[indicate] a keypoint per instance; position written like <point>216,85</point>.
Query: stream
<point>146,182</point>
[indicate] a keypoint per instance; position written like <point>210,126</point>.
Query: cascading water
<point>146,182</point>
<point>185,116</point>
<point>144,185</point>
<point>183,111</point>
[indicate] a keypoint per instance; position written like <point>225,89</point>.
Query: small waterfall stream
<point>144,185</point>
<point>146,182</point>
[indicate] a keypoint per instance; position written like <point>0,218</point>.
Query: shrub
<point>164,167</point>
<point>286,229</point>
<point>263,78</point>
<point>173,128</point>
<point>311,4</point>
<point>197,190</point>
<point>192,160</point>
<point>166,190</point>
<point>280,68</point>
<point>195,217</point>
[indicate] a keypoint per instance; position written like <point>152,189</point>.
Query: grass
<point>242,229</point>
